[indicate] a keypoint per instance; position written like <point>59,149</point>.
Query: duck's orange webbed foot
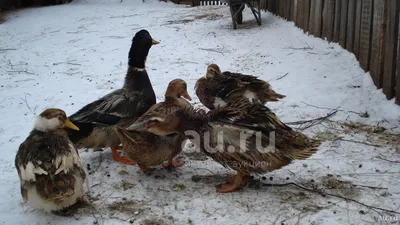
<point>172,163</point>
<point>233,183</point>
<point>117,157</point>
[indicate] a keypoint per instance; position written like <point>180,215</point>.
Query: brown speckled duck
<point>120,107</point>
<point>50,170</point>
<point>148,149</point>
<point>217,89</point>
<point>236,135</point>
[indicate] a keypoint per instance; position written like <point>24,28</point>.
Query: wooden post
<point>311,23</point>
<point>300,14</point>
<point>398,62</point>
<point>328,15</point>
<point>343,23</point>
<point>318,18</point>
<point>356,47</point>
<point>336,25</point>
<point>365,35</point>
<point>389,73</point>
<point>350,25</point>
<point>306,14</point>
<point>378,42</point>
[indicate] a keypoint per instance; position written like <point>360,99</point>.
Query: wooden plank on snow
<point>378,42</point>
<point>328,15</point>
<point>389,73</point>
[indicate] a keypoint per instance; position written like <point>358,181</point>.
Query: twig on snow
<point>75,64</point>
<point>302,48</point>
<point>316,119</point>
<point>282,76</point>
<point>7,49</point>
<point>27,104</point>
<point>212,50</point>
<point>341,110</point>
<point>388,160</point>
<point>20,71</point>
<point>323,194</point>
<point>358,142</point>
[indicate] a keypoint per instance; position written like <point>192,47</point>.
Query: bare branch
<point>333,195</point>
<point>282,76</point>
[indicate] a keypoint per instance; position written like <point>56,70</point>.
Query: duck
<point>235,136</point>
<point>120,107</point>
<point>217,89</point>
<point>52,177</point>
<point>148,149</point>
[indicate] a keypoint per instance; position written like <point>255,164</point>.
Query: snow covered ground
<point>66,56</point>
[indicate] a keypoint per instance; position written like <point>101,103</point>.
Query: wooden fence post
<point>343,23</point>
<point>336,25</point>
<point>328,16</point>
<point>389,74</point>
<point>378,42</point>
<point>365,35</point>
<point>351,15</point>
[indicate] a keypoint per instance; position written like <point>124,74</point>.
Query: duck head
<point>53,119</point>
<point>141,44</point>
<point>159,126</point>
<point>212,71</point>
<point>177,88</point>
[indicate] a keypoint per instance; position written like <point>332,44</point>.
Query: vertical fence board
<point>270,6</point>
<point>365,35</point>
<point>300,14</point>
<point>336,23</point>
<point>356,47</point>
<point>398,62</point>
<point>351,15</point>
<point>343,23</point>
<point>318,18</point>
<point>311,20</point>
<point>328,16</point>
<point>287,8</point>
<point>378,43</point>
<point>389,72</point>
<point>293,11</point>
<point>306,14</point>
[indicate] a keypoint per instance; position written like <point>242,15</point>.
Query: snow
<point>69,55</point>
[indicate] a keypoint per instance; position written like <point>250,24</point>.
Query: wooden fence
<point>368,28</point>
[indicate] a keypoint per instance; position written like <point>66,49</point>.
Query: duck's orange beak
<point>70,125</point>
<point>187,96</point>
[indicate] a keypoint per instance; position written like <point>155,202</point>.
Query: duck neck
<point>138,80</point>
<point>138,55</point>
<point>191,121</point>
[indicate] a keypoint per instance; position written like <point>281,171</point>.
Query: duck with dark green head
<point>120,107</point>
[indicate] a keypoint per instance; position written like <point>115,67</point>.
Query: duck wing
<point>218,88</point>
<point>258,140</point>
<point>112,108</point>
<point>51,163</point>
